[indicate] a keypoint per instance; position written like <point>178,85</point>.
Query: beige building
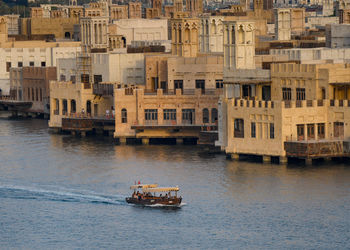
<point>179,100</point>
<point>141,29</point>
<point>289,110</point>
<point>35,87</point>
<point>308,104</point>
<point>78,100</point>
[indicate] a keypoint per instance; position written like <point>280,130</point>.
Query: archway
<point>67,35</point>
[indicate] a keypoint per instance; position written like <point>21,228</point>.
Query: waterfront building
<point>35,87</point>
<point>289,110</point>
<point>179,100</point>
<point>29,53</point>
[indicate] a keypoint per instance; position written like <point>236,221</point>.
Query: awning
<point>160,189</point>
<point>143,186</point>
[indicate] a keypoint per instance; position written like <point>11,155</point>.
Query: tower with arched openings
<point>283,24</point>
<point>3,29</point>
<point>185,36</point>
<point>239,45</point>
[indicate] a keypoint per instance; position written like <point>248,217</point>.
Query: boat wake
<point>19,192</point>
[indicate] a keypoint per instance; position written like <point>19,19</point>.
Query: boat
<point>151,194</point>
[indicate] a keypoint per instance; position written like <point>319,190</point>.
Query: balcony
<point>103,89</point>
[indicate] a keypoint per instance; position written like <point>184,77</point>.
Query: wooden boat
<point>151,194</point>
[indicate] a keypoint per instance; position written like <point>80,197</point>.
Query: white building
<point>142,29</point>
<point>35,56</point>
<point>126,68</point>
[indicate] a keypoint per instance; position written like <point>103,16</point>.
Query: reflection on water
<point>71,190</point>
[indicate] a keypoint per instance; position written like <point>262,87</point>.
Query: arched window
<point>124,116</point>
<point>214,115</point>
<point>73,106</point>
<point>205,115</point>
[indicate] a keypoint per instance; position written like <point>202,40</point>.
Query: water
<point>57,191</point>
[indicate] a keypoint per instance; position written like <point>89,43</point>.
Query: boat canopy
<point>143,186</point>
<point>160,189</point>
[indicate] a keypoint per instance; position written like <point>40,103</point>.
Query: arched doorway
<point>124,42</point>
<point>67,35</point>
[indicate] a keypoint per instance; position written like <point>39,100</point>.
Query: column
<point>60,111</point>
<point>68,107</point>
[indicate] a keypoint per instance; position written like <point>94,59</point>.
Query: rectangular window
<point>151,116</point>
<point>272,131</point>
<point>178,84</point>
<point>8,66</point>
<point>311,131</point>
<point>339,129</point>
<point>72,78</point>
<point>300,132</point>
<point>169,115</point>
<point>28,93</point>
<point>253,130</point>
<point>41,94</point>
<point>321,130</point>
<point>43,64</point>
<point>286,94</point>
<point>219,83</point>
<point>84,78</point>
<point>238,128</point>
<point>188,116</point>
<point>97,79</point>
<point>20,64</point>
<point>31,64</point>
<point>200,84</point>
<point>62,78</point>
<point>32,94</point>
<point>300,94</point>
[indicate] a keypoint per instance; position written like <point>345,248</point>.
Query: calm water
<point>57,191</point>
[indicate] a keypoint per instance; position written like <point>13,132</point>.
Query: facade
<point>125,68</point>
<point>338,35</point>
<point>76,100</point>
<point>308,104</point>
<point>181,93</point>
<point>40,55</point>
<point>314,55</point>
<point>35,87</point>
<point>141,29</point>
<point>16,80</point>
<point>163,114</point>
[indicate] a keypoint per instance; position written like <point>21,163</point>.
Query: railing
<point>151,122</point>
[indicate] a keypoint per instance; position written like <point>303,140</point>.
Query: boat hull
<point>154,201</point>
